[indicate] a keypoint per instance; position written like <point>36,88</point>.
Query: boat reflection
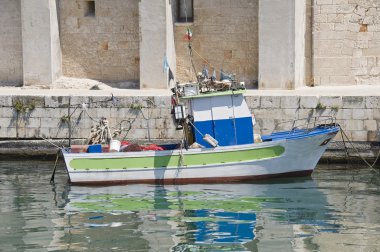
<point>228,217</point>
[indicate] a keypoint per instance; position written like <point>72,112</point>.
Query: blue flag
<point>166,64</point>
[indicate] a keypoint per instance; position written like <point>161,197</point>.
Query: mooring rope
<point>196,128</point>
<point>372,166</point>
<point>55,166</point>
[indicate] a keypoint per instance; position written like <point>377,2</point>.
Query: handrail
<point>310,123</point>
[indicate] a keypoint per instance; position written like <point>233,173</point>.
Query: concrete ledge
<point>362,90</point>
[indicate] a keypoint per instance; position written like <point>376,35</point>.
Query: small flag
<point>165,64</point>
<point>188,34</point>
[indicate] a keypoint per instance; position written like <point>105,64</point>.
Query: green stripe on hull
<point>211,158</point>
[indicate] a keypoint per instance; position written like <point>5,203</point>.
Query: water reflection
<point>336,210</point>
<point>233,217</point>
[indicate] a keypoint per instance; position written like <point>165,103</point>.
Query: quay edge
<point>43,150</point>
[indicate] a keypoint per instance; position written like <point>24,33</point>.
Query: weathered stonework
<point>296,43</point>
<point>290,102</point>
<point>103,46</point>
<point>307,102</point>
<point>346,42</point>
<point>225,34</point>
<point>270,101</point>
<point>151,117</point>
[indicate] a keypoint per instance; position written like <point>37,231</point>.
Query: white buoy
<point>115,146</point>
<point>209,139</point>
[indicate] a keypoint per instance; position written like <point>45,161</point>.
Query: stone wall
<point>343,47</point>
<point>358,116</point>
<point>103,45</point>
<point>29,117</point>
<point>10,43</point>
<point>225,34</point>
<point>346,42</point>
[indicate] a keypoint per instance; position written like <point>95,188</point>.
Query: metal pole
<point>69,121</point>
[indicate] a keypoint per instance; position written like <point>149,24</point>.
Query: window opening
<point>90,8</point>
<point>185,11</point>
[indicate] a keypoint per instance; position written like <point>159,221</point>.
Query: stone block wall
<point>225,34</point>
<point>103,45</point>
<point>346,42</point>
<point>10,43</point>
<point>358,116</point>
<point>29,117</point>
<point>101,39</point>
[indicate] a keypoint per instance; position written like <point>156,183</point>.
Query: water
<point>335,210</point>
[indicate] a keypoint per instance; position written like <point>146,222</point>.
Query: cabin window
<point>185,11</point>
<point>90,8</point>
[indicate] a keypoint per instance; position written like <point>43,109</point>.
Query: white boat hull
<point>287,157</point>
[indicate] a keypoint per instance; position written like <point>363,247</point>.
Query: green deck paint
<point>211,158</point>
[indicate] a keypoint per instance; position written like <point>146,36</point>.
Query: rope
<point>196,128</point>
<point>191,49</point>
<point>149,115</point>
<point>55,167</point>
<point>112,99</point>
<point>181,156</point>
<point>100,133</point>
<point>207,62</point>
<point>345,146</point>
<point>365,161</point>
<point>377,158</point>
<point>121,129</point>
<point>149,107</point>
<point>191,60</point>
<point>84,108</point>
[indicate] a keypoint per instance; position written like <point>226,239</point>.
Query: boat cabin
<point>224,115</point>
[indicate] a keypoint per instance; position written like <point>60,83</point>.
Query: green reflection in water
<point>109,204</point>
<point>184,201</point>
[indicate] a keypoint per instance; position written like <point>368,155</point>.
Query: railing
<point>307,124</point>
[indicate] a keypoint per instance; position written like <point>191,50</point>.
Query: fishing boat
<point>219,145</point>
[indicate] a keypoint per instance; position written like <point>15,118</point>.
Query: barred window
<point>90,8</point>
<point>185,11</point>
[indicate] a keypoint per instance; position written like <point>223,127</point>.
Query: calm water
<point>335,210</point>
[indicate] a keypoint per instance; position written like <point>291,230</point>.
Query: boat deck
<point>300,133</point>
